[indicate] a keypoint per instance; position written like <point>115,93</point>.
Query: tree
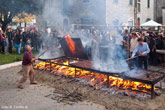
<point>24,18</point>
<point>10,8</point>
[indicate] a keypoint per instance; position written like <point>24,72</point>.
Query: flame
<point>70,43</point>
<point>94,79</point>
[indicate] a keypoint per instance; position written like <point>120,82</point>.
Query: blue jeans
<point>143,60</point>
<point>19,48</point>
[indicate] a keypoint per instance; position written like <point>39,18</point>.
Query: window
<point>138,21</point>
<point>116,22</point>
<point>86,21</point>
<point>130,2</point>
<point>138,6</point>
<point>115,1</point>
<point>86,1</point>
<point>148,4</point>
<point>65,6</point>
<point>130,22</point>
<point>148,19</point>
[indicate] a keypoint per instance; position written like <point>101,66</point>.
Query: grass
<point>10,58</point>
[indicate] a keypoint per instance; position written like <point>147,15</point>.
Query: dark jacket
<point>27,58</point>
<point>18,38</point>
<point>152,44</point>
<point>10,36</point>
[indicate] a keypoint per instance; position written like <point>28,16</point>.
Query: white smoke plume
<point>105,14</point>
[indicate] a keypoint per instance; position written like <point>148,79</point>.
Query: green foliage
<point>18,6</point>
<point>10,8</point>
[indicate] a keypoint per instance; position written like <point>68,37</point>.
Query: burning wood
<point>84,64</point>
<point>121,81</point>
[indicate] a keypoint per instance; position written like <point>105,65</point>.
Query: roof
<point>150,23</point>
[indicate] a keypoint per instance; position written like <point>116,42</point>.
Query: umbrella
<point>151,23</point>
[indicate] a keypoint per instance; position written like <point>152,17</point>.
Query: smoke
<point>109,56</point>
<point>52,13</point>
<point>107,52</point>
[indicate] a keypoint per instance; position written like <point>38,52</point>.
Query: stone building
<point>88,12</point>
<point>158,13</point>
<point>63,13</point>
<point>120,12</point>
<point>163,13</point>
<point>144,10</point>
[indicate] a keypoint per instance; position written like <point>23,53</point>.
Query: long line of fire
<point>96,80</point>
<point>65,68</point>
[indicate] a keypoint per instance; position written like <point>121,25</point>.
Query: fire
<point>96,80</point>
<point>70,43</point>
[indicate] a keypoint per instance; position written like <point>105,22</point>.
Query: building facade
<point>120,12</point>
<point>163,13</point>
<point>64,13</point>
<point>144,10</point>
<point>101,12</point>
<point>158,13</point>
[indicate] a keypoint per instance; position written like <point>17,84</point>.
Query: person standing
<point>118,46</point>
<point>126,43</point>
<point>31,35</point>
<point>18,41</point>
<point>142,50</point>
<point>37,40</point>
<point>2,38</point>
<point>163,40</point>
<point>133,44</point>
<point>6,45</point>
<point>24,38</point>
<point>152,46</point>
<point>10,36</point>
<point>27,67</point>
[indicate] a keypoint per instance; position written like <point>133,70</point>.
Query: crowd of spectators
<point>90,37</point>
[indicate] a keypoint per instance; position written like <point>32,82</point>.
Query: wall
<point>122,11</point>
<point>158,10</point>
<point>146,13</point>
<point>163,13</point>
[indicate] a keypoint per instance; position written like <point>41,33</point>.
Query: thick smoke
<point>106,56</point>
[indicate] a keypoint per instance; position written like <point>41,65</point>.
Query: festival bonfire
<point>72,66</point>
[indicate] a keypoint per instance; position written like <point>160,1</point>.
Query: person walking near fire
<point>142,49</point>
<point>27,67</point>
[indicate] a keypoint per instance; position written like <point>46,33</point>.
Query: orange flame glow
<point>70,43</point>
<point>95,79</point>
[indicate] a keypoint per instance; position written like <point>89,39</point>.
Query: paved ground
<point>10,65</point>
<point>32,97</point>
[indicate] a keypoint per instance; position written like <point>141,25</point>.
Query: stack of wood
<point>68,97</point>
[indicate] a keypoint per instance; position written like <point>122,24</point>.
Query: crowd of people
<point>18,39</point>
<point>124,39</point>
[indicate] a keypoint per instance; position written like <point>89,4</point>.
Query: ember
<point>96,79</point>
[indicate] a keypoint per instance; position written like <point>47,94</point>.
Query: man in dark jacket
<point>10,36</point>
<point>18,41</point>
<point>163,40</point>
<point>152,46</point>
<point>31,36</point>
<point>24,39</point>
<point>37,37</point>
